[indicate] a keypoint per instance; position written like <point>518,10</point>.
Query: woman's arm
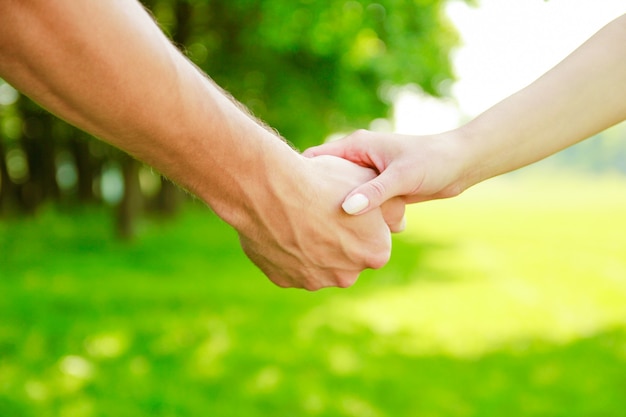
<point>581,96</point>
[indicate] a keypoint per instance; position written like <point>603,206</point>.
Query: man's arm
<point>107,68</point>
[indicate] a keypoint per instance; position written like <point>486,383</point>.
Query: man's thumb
<point>367,196</point>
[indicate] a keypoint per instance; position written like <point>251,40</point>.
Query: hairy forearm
<point>580,97</point>
<point>107,68</point>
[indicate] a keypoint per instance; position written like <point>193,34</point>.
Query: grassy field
<point>507,301</point>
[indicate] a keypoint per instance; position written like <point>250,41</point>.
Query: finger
<point>313,151</point>
<point>336,148</point>
<point>373,193</point>
<point>393,213</point>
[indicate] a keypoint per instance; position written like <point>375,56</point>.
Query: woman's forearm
<point>581,96</point>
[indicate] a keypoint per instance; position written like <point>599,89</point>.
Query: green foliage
<point>307,68</point>
<point>508,300</point>
<point>312,67</point>
<point>10,121</point>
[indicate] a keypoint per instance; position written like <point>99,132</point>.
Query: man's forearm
<point>580,97</point>
<point>107,68</point>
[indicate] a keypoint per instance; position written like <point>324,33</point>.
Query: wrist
<point>251,180</point>
<point>471,164</point>
<point>452,158</point>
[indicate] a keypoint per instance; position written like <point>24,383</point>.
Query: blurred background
<point>121,296</point>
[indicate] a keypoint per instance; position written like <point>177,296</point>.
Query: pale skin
<point>105,67</point>
<point>581,96</point>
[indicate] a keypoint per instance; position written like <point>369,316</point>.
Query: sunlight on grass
<point>107,345</point>
<point>510,297</point>
<point>512,262</point>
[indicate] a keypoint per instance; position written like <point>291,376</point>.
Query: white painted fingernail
<point>355,204</point>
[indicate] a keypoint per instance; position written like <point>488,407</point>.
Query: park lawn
<point>508,300</point>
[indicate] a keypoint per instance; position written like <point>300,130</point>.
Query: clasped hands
<point>300,236</point>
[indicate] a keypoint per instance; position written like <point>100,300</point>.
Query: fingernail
<point>355,203</point>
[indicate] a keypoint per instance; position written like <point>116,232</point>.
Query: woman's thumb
<point>369,196</point>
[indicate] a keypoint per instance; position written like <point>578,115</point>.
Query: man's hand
<point>124,82</point>
<point>301,238</point>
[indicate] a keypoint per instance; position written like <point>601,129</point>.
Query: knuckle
<point>279,281</point>
<point>453,191</point>
<point>359,134</point>
<point>312,286</point>
<point>346,280</point>
<point>378,260</point>
<point>377,189</point>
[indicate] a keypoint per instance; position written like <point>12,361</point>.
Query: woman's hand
<point>412,168</point>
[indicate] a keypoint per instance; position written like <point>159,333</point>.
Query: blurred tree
<point>88,165</point>
<point>307,67</point>
<point>312,67</point>
<point>39,142</point>
<point>10,131</point>
<point>131,205</point>
<point>7,187</point>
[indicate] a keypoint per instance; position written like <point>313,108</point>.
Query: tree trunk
<point>87,167</point>
<point>130,207</point>
<point>39,145</point>
<point>169,198</point>
<point>7,188</point>
<point>183,11</point>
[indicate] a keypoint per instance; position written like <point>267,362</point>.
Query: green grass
<point>509,300</point>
